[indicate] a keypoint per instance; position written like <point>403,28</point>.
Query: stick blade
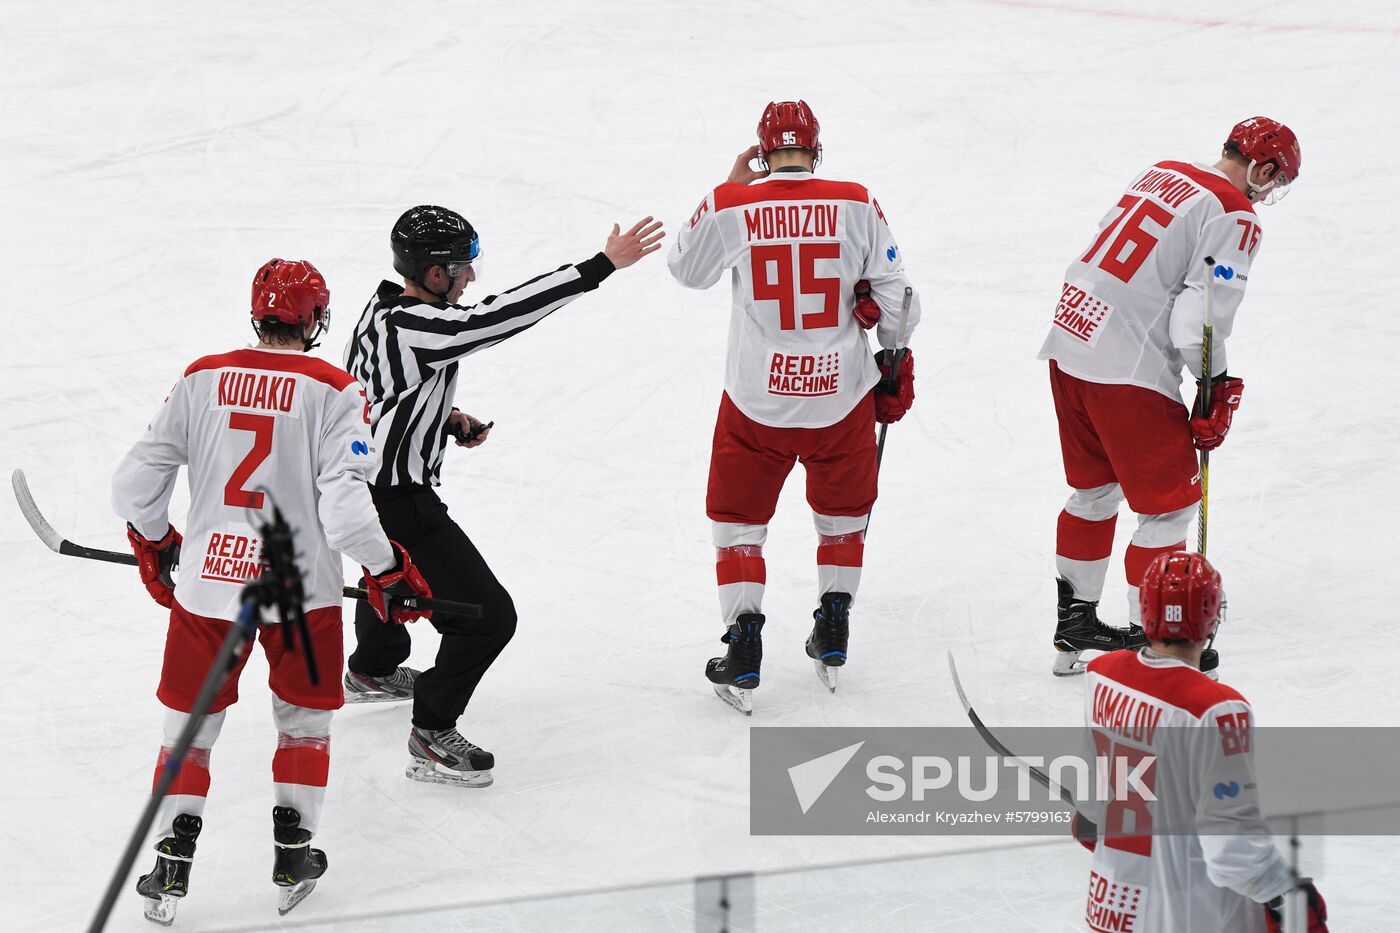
<point>957,684</point>
<point>42,528</point>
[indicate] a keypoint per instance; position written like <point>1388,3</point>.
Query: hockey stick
<point>895,359</point>
<point>995,744</point>
<point>241,632</point>
<point>61,545</point>
<point>1207,338</point>
<point>279,588</point>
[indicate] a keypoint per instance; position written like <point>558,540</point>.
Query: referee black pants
<point>415,517</point>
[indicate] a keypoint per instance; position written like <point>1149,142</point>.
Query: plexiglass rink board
<point>154,155</point>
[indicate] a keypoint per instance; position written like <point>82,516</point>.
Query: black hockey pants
<point>415,517</point>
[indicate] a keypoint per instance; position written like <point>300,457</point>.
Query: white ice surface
<point>153,155</point>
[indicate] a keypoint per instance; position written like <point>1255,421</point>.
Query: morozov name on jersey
<point>792,221</point>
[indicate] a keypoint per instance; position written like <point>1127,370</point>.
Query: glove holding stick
<point>388,591</point>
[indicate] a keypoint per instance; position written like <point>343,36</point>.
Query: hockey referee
<point>405,352</point>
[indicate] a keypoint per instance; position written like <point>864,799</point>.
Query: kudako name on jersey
<point>804,375</point>
<point>254,390</point>
<point>232,557</point>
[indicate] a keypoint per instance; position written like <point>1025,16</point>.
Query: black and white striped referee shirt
<point>404,353</point>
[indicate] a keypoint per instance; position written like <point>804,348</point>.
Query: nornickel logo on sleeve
<point>1081,314</point>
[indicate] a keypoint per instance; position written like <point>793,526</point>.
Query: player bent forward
<point>1212,880</point>
<point>1129,318</point>
<point>258,427</point>
<point>814,265</point>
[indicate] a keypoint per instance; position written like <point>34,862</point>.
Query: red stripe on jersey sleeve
<point>1173,684</point>
<point>309,366</point>
<point>733,194</point>
<point>1230,197</point>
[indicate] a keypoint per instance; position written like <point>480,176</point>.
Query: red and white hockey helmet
<point>788,124</point>
<point>1180,597</point>
<point>1263,141</point>
<point>292,292</point>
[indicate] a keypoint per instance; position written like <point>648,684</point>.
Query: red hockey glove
<point>389,588</point>
<point>155,560</point>
<point>1317,910</point>
<point>867,311</point>
<point>894,393</point>
<point>1084,831</point>
<point>1209,432</point>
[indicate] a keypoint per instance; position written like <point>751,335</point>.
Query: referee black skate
<point>405,352</point>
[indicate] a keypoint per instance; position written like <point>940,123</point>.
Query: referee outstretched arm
<point>405,352</point>
<point>405,347</point>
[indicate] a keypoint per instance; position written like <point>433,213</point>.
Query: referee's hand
<point>466,430</point>
<point>624,249</point>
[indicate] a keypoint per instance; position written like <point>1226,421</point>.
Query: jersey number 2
<point>261,426</point>
<point>1132,237</point>
<point>779,288</point>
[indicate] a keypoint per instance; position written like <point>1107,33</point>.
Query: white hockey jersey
<point>1132,305</point>
<point>797,245</point>
<point>1212,880</point>
<point>258,427</point>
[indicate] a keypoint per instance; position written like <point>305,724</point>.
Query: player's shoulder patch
<point>1177,684</point>
<point>310,366</point>
<point>1227,195</point>
<point>218,361</point>
<point>325,372</point>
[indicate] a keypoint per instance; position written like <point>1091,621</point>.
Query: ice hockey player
<point>405,351</point>
<point>1129,317</point>
<point>257,427</point>
<point>1228,877</point>
<point>815,265</point>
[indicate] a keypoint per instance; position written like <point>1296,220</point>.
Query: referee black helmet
<point>427,236</point>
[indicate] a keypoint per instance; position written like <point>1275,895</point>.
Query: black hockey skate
<point>444,756</point>
<point>295,865</point>
<point>170,879</point>
<point>736,674</point>
<point>826,646</point>
<point>364,688</point>
<point>1078,629</point>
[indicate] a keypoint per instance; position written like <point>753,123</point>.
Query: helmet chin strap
<point>442,295</point>
<point>323,322</point>
<point>1269,193</point>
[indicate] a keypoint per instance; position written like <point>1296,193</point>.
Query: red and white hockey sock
<point>1155,535</point>
<point>1084,539</point>
<point>191,787</point>
<point>302,762</point>
<point>739,568</point>
<point>840,552</point>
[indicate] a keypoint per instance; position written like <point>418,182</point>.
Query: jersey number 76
<point>1132,237</point>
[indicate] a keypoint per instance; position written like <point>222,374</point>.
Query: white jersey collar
<point>799,176</point>
<point>1151,658</point>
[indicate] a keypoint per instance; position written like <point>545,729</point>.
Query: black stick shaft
<point>449,607</point>
<point>233,643</point>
